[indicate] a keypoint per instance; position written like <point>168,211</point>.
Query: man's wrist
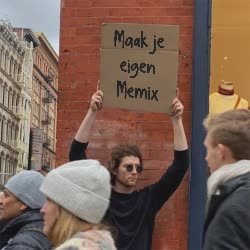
<point>176,119</point>
<point>91,111</point>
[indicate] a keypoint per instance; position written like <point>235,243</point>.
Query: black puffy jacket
<point>24,233</point>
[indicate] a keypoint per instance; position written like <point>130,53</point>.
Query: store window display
<point>226,99</point>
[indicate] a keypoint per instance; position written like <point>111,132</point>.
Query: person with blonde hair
<point>228,157</point>
<point>77,199</point>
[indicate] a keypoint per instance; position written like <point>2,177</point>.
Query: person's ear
<point>224,151</point>
<point>23,207</point>
<point>114,171</point>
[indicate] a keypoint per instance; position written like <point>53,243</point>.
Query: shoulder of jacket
<point>29,238</point>
<point>82,243</point>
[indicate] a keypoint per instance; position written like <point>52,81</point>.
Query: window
<point>2,129</point>
<point>230,51</point>
<point>6,62</point>
<point>1,57</point>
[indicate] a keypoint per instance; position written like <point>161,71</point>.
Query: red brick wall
<point>78,74</point>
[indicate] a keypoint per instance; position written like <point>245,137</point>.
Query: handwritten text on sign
<point>139,66</point>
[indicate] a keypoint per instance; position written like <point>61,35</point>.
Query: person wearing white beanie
<point>77,199</point>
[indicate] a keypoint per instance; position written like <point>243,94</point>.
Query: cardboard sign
<point>139,66</point>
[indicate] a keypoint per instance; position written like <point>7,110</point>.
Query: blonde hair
<point>67,224</point>
<point>232,129</point>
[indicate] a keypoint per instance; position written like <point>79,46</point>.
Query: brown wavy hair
<point>118,153</point>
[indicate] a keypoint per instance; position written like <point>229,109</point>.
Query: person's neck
<point>123,189</point>
<point>226,89</point>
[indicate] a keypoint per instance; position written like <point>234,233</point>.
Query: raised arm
<point>171,179</point>
<point>180,141</point>
<point>84,130</point>
<point>80,142</point>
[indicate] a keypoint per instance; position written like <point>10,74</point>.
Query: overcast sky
<point>40,16</point>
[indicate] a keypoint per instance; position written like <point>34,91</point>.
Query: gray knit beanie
<point>81,187</point>
<point>26,187</point>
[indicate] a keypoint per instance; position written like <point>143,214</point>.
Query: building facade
<point>16,66</point>
<point>44,106</point>
<point>28,101</point>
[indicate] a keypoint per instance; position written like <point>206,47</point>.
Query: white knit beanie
<point>81,187</point>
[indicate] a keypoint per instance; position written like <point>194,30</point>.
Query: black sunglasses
<point>130,168</point>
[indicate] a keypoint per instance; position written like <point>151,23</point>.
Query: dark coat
<point>228,219</point>
<point>24,233</point>
<point>2,224</point>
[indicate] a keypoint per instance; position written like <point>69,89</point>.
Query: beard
<point>129,182</point>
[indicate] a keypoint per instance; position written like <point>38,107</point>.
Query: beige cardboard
<point>151,83</point>
<point>164,80</point>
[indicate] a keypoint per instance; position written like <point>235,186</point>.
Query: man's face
<point>50,211</point>
<point>213,157</point>
<point>10,206</point>
<point>125,178</point>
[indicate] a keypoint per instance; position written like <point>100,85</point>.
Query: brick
<point>68,12</point>
<point>160,155</point>
<point>151,117</point>
<point>179,11</point>
<point>176,20</point>
<point>75,81</point>
<point>92,12</point>
<point>147,175</point>
<point>186,30</point>
<point>100,20</point>
<point>68,96</point>
<point>188,2</point>
<point>85,40</point>
<point>117,114</point>
<point>114,3</point>
<point>88,49</point>
<point>74,22</point>
<point>149,144</point>
<point>141,20</point>
<point>159,3</point>
<point>67,124</point>
<point>75,105</point>
<point>74,59</point>
<point>88,30</point>
<point>79,67</point>
<point>156,125</point>
<point>185,64</point>
<point>137,12</point>
<point>166,3</point>
<point>152,164</point>
<point>69,32</point>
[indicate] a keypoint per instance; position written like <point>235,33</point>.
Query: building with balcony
<point>16,67</point>
<point>44,105</point>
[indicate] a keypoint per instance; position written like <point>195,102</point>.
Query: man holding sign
<point>132,213</point>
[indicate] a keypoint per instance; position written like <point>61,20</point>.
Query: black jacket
<point>2,224</point>
<point>24,233</point>
<point>227,225</point>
